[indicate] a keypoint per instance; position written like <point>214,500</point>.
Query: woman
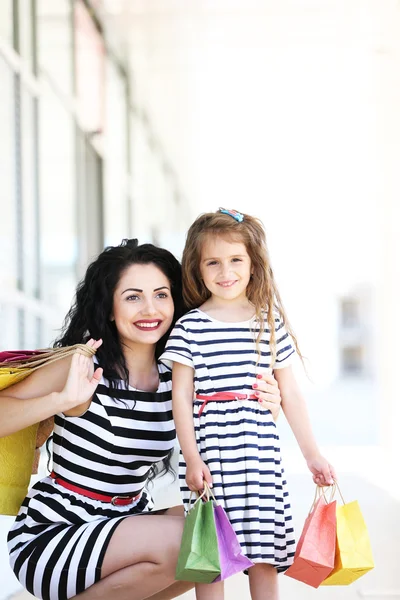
<point>88,530</point>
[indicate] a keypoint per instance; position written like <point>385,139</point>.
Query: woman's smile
<point>144,324</point>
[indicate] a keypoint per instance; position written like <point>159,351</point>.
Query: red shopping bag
<point>315,554</point>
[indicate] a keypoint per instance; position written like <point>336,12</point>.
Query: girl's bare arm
<point>182,406</point>
<point>295,409</point>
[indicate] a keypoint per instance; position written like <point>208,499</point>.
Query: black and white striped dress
<point>238,439</point>
<point>59,539</point>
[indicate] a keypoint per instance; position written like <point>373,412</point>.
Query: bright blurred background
<point>127,118</point>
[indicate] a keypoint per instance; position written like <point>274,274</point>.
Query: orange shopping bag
<point>315,554</point>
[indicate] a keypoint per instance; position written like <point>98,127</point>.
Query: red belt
<point>114,500</point>
<point>220,396</point>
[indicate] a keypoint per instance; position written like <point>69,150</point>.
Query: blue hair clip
<point>232,213</point>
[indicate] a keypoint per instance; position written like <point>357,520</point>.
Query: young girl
<point>237,329</point>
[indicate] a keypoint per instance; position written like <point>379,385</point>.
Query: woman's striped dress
<point>59,539</point>
<point>238,439</point>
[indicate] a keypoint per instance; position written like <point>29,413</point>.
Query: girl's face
<point>225,268</point>
<point>143,308</point>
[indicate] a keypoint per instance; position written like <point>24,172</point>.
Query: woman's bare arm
<point>64,386</point>
<point>34,399</point>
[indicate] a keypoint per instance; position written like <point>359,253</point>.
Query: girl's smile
<point>227,283</point>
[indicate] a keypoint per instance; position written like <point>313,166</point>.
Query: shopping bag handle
<point>207,493</point>
<point>48,356</point>
<point>199,496</point>
<point>338,489</point>
<point>322,490</point>
<point>334,488</point>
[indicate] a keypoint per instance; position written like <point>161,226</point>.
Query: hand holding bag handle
<point>13,370</point>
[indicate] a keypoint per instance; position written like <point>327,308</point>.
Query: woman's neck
<point>142,367</point>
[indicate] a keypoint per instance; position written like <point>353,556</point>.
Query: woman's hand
<point>267,390</point>
<point>82,380</point>
<point>323,472</point>
<point>196,472</point>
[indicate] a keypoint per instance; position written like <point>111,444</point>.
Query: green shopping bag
<point>198,559</point>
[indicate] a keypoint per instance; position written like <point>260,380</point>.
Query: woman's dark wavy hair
<point>89,316</point>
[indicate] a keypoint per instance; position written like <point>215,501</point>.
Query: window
<point>6,21</point>
<point>26,24</point>
<point>55,49</point>
<point>353,360</point>
<point>8,238</point>
<point>58,207</point>
<point>350,312</point>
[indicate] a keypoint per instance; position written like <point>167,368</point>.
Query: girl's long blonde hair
<point>262,290</point>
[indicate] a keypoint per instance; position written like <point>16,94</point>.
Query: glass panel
<point>6,21</point>
<point>353,360</point>
<point>116,220</point>
<point>90,202</point>
<point>9,323</point>
<point>58,218</point>
<point>89,68</point>
<point>8,248</point>
<point>31,332</point>
<point>30,238</point>
<point>140,158</point>
<point>55,50</point>
<point>26,24</point>
<point>350,310</point>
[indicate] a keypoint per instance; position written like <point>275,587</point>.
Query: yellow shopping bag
<point>18,451</point>
<point>353,556</point>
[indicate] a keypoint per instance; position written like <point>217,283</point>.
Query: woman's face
<point>143,308</point>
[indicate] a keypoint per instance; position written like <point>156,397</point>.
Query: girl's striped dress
<point>238,439</point>
<point>59,539</point>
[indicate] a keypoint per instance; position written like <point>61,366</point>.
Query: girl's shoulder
<point>276,313</point>
<point>190,317</point>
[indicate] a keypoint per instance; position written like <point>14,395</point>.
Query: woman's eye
<point>132,297</point>
<point>162,295</point>
<point>236,260</point>
<point>211,263</point>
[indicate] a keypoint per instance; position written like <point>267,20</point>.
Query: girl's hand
<point>269,396</point>
<point>323,472</point>
<point>196,472</point>
<point>82,380</point>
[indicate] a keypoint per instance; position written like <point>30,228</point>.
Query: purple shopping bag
<point>231,557</point>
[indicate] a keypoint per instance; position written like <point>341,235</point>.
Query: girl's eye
<point>211,263</point>
<point>236,260</point>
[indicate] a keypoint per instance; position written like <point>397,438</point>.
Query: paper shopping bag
<point>231,557</point>
<point>198,558</point>
<point>315,553</point>
<point>353,549</point>
<point>14,366</point>
<point>17,451</point>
